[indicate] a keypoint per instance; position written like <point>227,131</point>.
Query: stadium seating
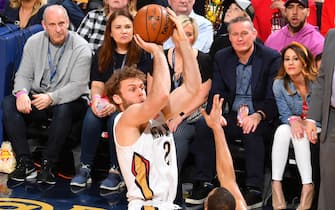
<point>12,40</point>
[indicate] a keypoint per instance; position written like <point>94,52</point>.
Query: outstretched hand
<point>215,118</point>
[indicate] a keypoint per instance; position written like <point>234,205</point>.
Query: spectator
<point>297,29</point>
<point>243,75</point>
<point>270,16</point>
<point>205,38</point>
<point>292,89</point>
<point>24,13</point>
<point>118,50</point>
<point>183,126</point>
<point>144,144</point>
<point>228,196</point>
<point>205,171</point>
<point>52,77</point>
<point>322,110</point>
<point>221,40</point>
<point>93,26</point>
<point>328,16</point>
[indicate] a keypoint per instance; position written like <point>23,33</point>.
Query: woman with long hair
<point>292,88</point>
<point>93,25</point>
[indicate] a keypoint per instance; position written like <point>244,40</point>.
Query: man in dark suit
<point>243,75</point>
<point>322,109</point>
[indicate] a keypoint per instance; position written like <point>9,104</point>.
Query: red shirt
<point>328,16</point>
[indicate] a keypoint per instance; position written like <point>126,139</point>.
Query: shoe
<point>199,193</point>
<point>253,198</point>
<point>24,170</point>
<point>83,177</point>
<point>306,198</point>
<point>113,182</point>
<point>278,199</point>
<point>46,175</point>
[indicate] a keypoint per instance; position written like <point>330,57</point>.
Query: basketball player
<point>228,196</point>
<point>145,146</point>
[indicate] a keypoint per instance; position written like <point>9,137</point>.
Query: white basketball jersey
<point>149,167</point>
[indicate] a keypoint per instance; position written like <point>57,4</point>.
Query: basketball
<point>152,23</point>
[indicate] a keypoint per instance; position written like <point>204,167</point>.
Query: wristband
<point>21,92</point>
<point>96,97</point>
<point>292,119</point>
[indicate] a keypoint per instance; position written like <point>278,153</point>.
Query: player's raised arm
<point>224,162</point>
<point>182,95</point>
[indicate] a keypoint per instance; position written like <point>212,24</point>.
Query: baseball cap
<point>302,2</point>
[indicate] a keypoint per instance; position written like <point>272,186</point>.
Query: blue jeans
<point>183,137</point>
<point>203,151</point>
<point>91,135</point>
<point>62,118</point>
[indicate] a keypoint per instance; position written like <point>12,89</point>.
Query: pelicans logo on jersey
<point>140,169</point>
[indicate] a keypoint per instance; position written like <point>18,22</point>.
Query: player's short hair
<point>112,86</point>
<point>220,199</point>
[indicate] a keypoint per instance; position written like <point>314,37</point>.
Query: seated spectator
<point>297,29</point>
<point>183,126</point>
<point>328,16</point>
<point>205,38</point>
<point>270,16</point>
<point>93,26</point>
<point>221,40</point>
<point>52,77</point>
<point>117,50</point>
<point>292,89</point>
<point>243,75</point>
<point>228,195</point>
<point>24,13</point>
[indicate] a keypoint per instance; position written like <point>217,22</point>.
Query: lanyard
<point>176,81</point>
<point>115,57</point>
<point>52,66</point>
<point>123,61</point>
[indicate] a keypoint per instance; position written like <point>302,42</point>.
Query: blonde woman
<point>25,13</point>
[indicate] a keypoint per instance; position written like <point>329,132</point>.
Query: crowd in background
<point>270,60</point>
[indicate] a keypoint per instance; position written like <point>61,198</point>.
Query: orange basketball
<point>152,23</point>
